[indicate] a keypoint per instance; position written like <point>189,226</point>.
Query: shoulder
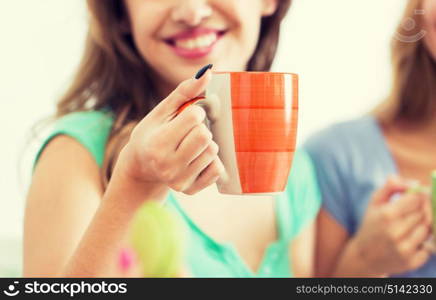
<point>343,142</point>
<point>342,134</point>
<point>65,191</point>
<point>347,156</point>
<point>64,158</point>
<point>87,123</point>
<point>90,129</point>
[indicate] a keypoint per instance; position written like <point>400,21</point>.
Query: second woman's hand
<point>391,237</point>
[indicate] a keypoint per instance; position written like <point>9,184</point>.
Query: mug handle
<point>210,104</point>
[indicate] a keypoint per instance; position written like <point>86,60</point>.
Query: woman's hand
<point>171,149</point>
<point>392,235</point>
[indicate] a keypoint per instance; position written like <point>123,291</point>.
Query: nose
<point>191,12</point>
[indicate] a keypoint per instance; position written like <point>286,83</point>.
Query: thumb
<point>393,185</point>
<point>186,91</point>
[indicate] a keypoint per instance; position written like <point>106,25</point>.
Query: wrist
<point>354,262</point>
<point>131,191</point>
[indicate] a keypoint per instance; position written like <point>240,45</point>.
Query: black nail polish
<point>203,71</point>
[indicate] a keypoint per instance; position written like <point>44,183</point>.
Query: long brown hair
<point>413,96</point>
<point>113,75</point>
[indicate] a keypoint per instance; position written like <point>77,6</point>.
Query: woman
<point>114,128</point>
<point>363,230</point>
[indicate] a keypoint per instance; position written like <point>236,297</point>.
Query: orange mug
<point>253,117</point>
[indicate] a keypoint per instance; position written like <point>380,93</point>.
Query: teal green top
<point>295,208</point>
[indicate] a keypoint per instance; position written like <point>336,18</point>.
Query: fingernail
<point>203,71</point>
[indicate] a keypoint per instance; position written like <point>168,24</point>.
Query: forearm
<point>352,264</point>
<point>98,250</point>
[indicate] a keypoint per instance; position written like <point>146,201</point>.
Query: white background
<point>340,48</point>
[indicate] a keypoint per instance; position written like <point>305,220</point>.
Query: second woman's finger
<point>406,204</point>
<point>405,225</point>
<point>415,239</point>
<point>419,258</point>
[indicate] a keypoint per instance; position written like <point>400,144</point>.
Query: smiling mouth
<point>194,44</point>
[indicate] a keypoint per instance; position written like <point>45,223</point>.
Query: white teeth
<point>190,44</point>
<point>198,42</point>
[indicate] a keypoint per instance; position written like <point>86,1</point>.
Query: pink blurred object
<point>126,258</point>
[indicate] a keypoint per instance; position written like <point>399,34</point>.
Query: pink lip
<point>194,53</point>
<point>190,34</point>
<point>193,33</point>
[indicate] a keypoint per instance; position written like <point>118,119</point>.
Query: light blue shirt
<point>352,160</point>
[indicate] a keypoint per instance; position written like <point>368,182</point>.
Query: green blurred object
<point>157,238</point>
<point>416,189</point>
